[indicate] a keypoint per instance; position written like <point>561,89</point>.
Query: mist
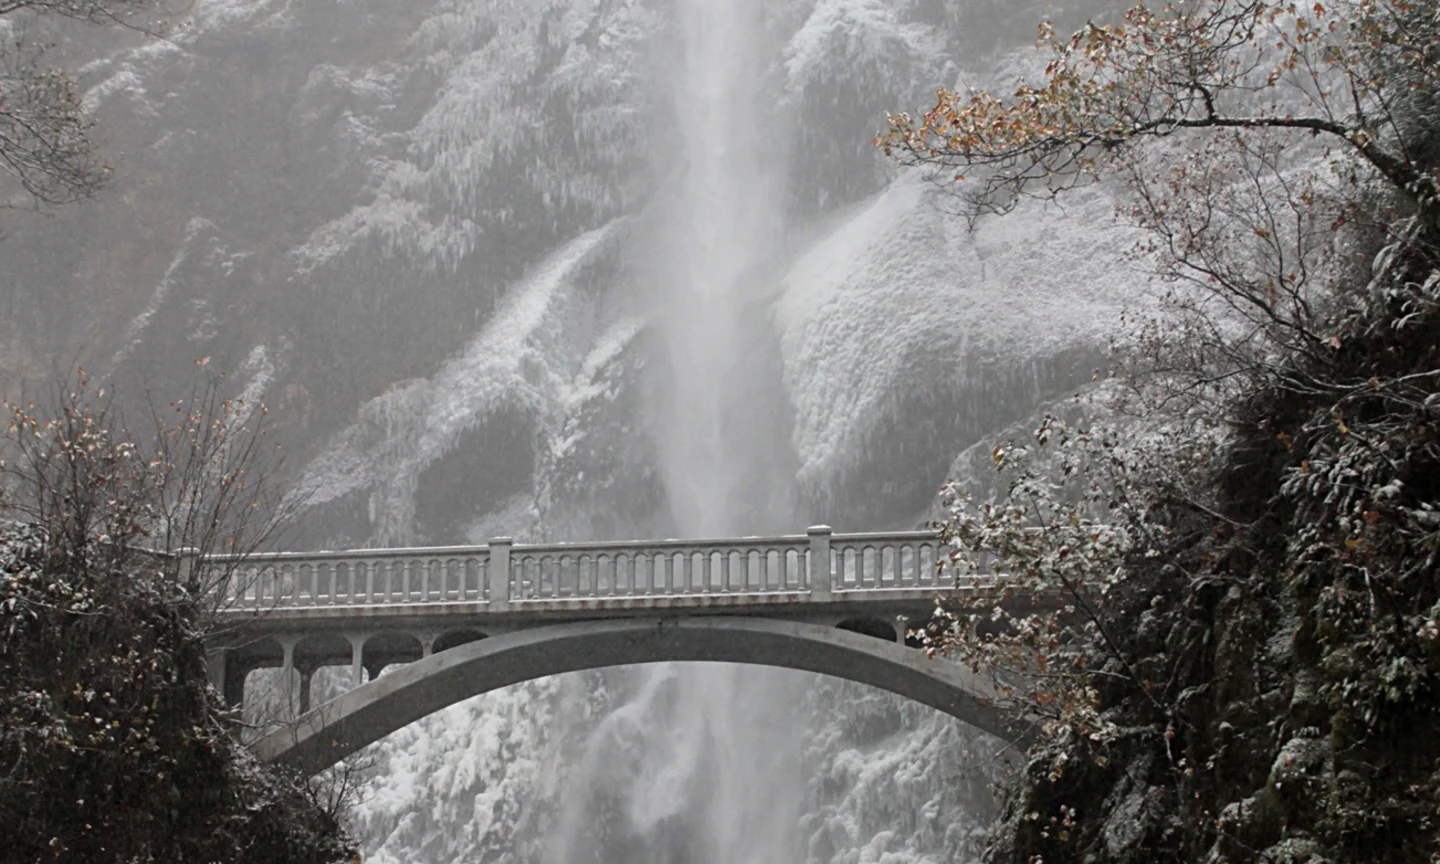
<point>584,271</point>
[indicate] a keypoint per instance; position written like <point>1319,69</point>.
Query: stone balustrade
<point>503,576</point>
<point>367,609</point>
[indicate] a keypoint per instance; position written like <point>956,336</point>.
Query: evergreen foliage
<point>1234,650</point>
<point>113,745</point>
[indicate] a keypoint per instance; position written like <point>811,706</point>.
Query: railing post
<point>819,561</point>
<point>497,574</point>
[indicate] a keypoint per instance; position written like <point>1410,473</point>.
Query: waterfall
<point>702,764</point>
<point>722,222</point>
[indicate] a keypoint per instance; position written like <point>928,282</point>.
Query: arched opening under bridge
<point>326,735</point>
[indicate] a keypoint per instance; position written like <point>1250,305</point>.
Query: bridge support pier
<point>287,666</point>
<point>215,668</point>
<point>307,674</point>
<point>234,688</point>
<point>357,658</point>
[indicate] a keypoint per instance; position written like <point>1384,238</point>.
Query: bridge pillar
<point>819,561</point>
<point>215,668</point>
<point>427,644</point>
<point>497,574</point>
<point>287,666</point>
<point>307,674</point>
<point>234,688</point>
<point>357,658</point>
<point>902,624</point>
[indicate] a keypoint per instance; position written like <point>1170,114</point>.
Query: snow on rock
<point>474,781</point>
<point>892,782</point>
<point>841,34</point>
<point>898,280</point>
<point>434,199</point>
<point>525,358</point>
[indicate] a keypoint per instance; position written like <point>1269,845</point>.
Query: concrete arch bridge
<point>467,620</point>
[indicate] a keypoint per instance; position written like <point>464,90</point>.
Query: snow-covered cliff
<point>427,230</point>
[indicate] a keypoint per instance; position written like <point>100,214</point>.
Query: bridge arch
<point>368,713</point>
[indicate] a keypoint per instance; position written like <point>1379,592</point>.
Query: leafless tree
<point>48,150</point>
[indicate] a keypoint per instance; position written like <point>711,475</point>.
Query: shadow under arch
<point>324,736</point>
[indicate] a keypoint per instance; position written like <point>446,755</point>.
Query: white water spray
<point>702,765</point>
<point>725,221</point>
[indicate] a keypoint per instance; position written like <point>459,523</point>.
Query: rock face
<point>424,232</point>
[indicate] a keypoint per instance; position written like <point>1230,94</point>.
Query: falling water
<point>724,221</point>
<point>701,766</point>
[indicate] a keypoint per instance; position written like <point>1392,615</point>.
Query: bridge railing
<point>502,575</point>
<point>360,577</point>
<point>752,565</point>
